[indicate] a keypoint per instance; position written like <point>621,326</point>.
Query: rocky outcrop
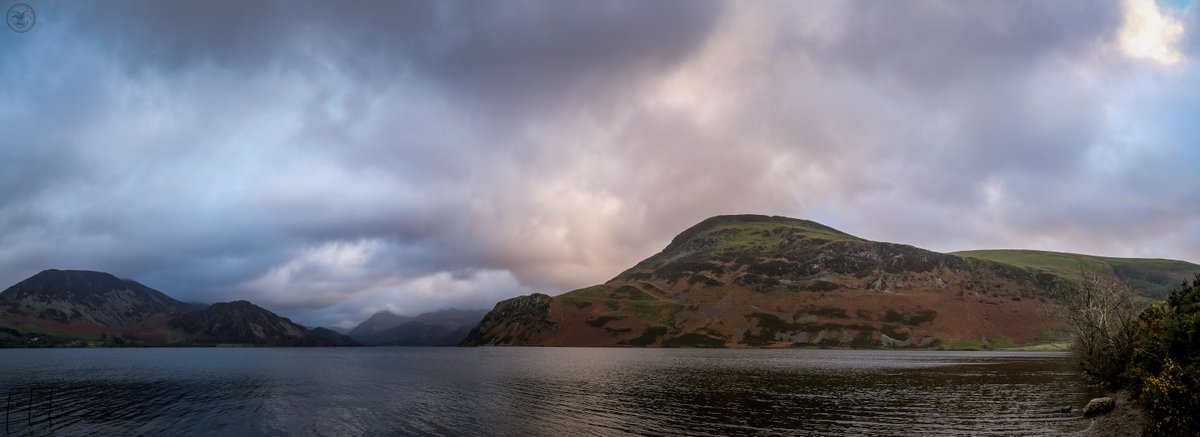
<point>886,341</point>
<point>513,321</point>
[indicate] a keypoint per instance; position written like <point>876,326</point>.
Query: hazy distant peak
<point>439,328</point>
<point>377,322</point>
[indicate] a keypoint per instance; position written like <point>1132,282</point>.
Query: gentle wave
<point>537,391</point>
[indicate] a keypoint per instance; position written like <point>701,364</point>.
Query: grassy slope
<point>738,235</point>
<point>1151,277</point>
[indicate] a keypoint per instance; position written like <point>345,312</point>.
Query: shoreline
<point>1126,419</point>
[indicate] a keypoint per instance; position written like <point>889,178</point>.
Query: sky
<point>330,160</point>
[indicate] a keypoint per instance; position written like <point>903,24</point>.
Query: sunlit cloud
<point>1148,33</point>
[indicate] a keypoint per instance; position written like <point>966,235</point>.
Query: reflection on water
<point>536,391</point>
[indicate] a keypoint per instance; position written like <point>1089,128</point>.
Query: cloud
<point>1148,33</point>
<point>329,161</point>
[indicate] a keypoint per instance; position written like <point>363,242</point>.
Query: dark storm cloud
<point>518,55</point>
<point>329,160</point>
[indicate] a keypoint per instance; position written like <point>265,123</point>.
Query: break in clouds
<point>331,160</point>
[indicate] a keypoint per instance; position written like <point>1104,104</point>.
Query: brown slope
<point>756,281</point>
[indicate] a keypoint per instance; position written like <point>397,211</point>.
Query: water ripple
<point>535,391</point>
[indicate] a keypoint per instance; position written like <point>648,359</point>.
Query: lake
<point>537,391</point>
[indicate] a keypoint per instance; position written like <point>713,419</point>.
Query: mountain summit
<point>758,281</point>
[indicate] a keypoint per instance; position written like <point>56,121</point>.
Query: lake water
<point>536,391</point>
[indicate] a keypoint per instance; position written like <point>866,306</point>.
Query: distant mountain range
<point>729,281</point>
<point>441,328</point>
<point>758,281</point>
<point>84,308</point>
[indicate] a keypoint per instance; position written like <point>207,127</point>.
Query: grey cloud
<point>526,54</point>
<point>332,160</point>
<point>980,72</point>
<point>934,47</point>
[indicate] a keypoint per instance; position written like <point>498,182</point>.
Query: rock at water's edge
<point>1099,406</point>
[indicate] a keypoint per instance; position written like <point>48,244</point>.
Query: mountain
<point>440,328</point>
<point>197,306</point>
<point>94,297</point>
<point>241,322</point>
<point>333,337</point>
<point>758,281</point>
<point>74,307</point>
<point>365,331</point>
<point>85,303</point>
<point>337,329</point>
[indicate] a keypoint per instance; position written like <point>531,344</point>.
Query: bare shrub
<point>1102,314</point>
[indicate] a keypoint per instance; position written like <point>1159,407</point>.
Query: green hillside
<point>735,233</point>
<point>1149,276</point>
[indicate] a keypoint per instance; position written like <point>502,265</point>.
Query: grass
<point>999,343</point>
<point>1052,335</point>
<point>964,345</point>
<point>1151,277</point>
<point>1004,344</point>
<point>581,295</point>
<point>1058,346</point>
<point>655,312</point>
<point>592,292</point>
<point>1069,263</point>
<point>174,336</point>
<point>42,331</point>
<point>738,236</point>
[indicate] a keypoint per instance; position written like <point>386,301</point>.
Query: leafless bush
<point>1102,314</point>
